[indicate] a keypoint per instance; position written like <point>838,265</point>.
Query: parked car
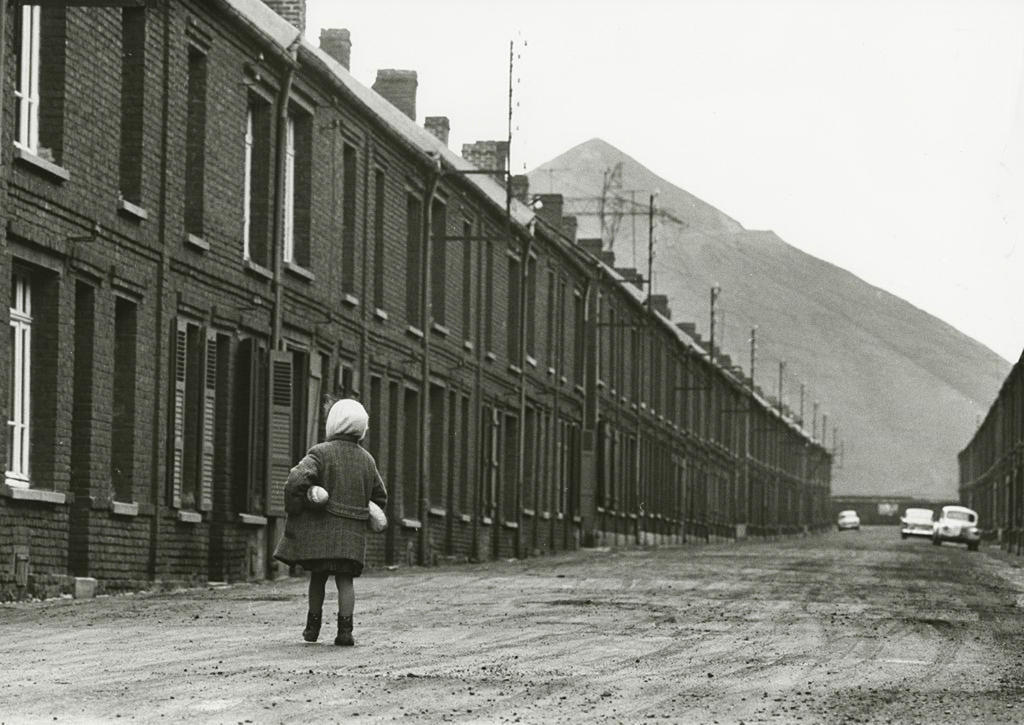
<point>848,520</point>
<point>917,522</point>
<point>959,524</point>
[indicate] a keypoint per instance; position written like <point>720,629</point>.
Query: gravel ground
<point>850,627</point>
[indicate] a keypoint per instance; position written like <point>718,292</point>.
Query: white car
<point>958,524</point>
<point>917,522</point>
<point>848,520</point>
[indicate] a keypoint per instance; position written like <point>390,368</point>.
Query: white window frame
<point>26,91</point>
<point>247,187</point>
<point>18,424</point>
<point>289,192</point>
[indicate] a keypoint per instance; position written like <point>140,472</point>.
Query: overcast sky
<point>886,137</point>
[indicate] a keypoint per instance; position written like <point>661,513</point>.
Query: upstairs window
<point>256,183</point>
<point>379,198</point>
<point>349,163</point>
<point>413,259</point>
<point>531,307</point>
<point>39,87</point>
<point>133,73</point>
<point>438,262</point>
<point>195,143</point>
<point>467,280</point>
<point>297,188</point>
<point>514,301</point>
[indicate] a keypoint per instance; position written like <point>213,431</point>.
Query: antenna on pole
<point>753,354</point>
<point>715,291</point>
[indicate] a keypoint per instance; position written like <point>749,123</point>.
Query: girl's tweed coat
<point>349,474</point>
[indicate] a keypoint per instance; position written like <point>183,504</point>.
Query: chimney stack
<point>488,155</point>
<point>607,258</point>
<point>521,188</point>
<point>632,276</point>
<point>398,87</point>
<point>438,126</point>
<point>551,209</point>
<point>593,245</point>
<point>569,228</point>
<point>337,43</point>
<point>659,303</point>
<point>294,11</point>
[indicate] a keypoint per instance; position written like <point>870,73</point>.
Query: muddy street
<point>858,626</point>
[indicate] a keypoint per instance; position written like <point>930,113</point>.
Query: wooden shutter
<point>209,417</point>
<point>280,453</point>
<point>313,431</point>
<point>179,359</point>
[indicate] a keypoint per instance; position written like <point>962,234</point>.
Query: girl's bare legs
<point>346,595</point>
<point>317,586</point>
<point>346,605</point>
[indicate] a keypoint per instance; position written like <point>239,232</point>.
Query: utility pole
<point>801,406</point>
<point>782,368</point>
<point>753,354</point>
<point>814,422</point>
<point>824,430</point>
<point>714,298</point>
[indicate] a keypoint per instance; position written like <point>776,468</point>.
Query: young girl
<point>331,540</point>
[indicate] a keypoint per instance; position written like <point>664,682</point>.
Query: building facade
<point>212,231</point>
<point>992,465</point>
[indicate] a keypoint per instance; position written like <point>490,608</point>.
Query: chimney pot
<point>439,126</point>
<point>294,11</point>
<point>337,43</point>
<point>398,87</point>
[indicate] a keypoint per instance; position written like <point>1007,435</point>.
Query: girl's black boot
<point>312,630</point>
<point>344,638</point>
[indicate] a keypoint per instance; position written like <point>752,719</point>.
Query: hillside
<point>903,387</point>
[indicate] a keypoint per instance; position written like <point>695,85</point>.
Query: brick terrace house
<point>212,230</point>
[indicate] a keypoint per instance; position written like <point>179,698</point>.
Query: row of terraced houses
<point>211,229</point>
<point>992,465</point>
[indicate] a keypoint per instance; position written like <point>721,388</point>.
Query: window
<point>438,261</point>
<point>510,469</point>
<point>83,399</point>
<point>195,143</point>
<point>297,187</point>
<point>560,333</point>
<point>379,192</point>
<point>488,296</point>
<point>377,412</point>
<point>122,448</point>
<point>39,89</point>
<point>578,337</point>
<point>467,281</point>
<point>435,452</point>
<point>410,452</point>
<point>20,382</point>
<point>514,302</point>
<point>552,321</point>
<point>194,365</point>
<point>349,163</point>
<point>531,307</point>
<point>413,259</point>
<point>133,73</point>
<point>250,463</point>
<point>256,183</point>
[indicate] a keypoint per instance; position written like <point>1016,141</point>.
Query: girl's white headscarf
<point>347,417</point>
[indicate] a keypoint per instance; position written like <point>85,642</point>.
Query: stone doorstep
<point>85,587</point>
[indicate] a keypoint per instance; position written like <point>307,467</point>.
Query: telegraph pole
<point>753,354</point>
<point>801,406</point>
<point>814,422</point>
<point>782,368</point>
<point>714,298</point>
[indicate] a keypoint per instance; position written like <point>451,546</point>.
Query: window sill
<point>465,518</point>
<point>468,345</point>
<point>252,519</point>
<point>546,515</point>
<point>437,511</point>
<point>189,517</point>
<point>531,360</point>
<point>136,212</point>
<point>490,357</point>
<point>54,171</point>
<point>24,493</point>
<point>577,519</point>
<point>515,369</point>
<point>559,516</point>
<point>411,524</point>
<point>580,390</point>
<point>348,298</point>
<point>563,380</point>
<point>486,520</point>
<point>380,314</point>
<point>259,270</point>
<point>529,513</point>
<point>510,524</point>
<point>414,331</point>
<point>600,384</point>
<point>600,509</point>
<point>441,329</point>
<point>196,242</point>
<point>299,271</point>
<point>123,508</point>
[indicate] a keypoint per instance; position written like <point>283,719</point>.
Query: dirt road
<point>844,627</point>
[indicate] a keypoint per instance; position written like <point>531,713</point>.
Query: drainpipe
<point>434,175</point>
<point>161,325</point>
